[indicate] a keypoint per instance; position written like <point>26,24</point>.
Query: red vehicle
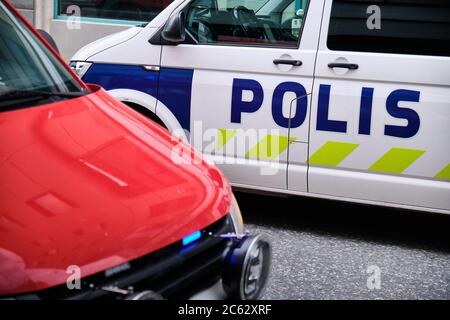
<point>92,203</point>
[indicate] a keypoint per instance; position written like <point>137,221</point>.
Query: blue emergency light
<point>191,238</point>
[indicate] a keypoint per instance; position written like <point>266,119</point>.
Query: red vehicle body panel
<point>90,182</point>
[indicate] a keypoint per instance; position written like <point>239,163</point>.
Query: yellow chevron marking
<point>270,147</point>
<point>396,160</point>
<point>444,173</point>
<point>224,136</point>
<point>332,153</point>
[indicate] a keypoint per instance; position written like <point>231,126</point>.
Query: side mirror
<point>174,31</point>
<point>49,39</point>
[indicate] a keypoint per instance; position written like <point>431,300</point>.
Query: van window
<point>247,22</point>
<point>420,27</point>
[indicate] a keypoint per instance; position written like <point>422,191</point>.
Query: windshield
<point>26,64</point>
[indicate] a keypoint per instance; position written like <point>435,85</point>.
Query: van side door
<point>380,125</point>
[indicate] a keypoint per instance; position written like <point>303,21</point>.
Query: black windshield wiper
<point>17,94</point>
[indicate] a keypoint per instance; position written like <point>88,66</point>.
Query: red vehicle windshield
<point>29,72</point>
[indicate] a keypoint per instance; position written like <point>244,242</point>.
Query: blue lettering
<point>239,106</point>
<point>402,113</point>
<point>365,111</point>
<point>301,105</point>
<point>323,123</point>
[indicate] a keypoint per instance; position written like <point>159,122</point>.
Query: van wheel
<point>144,111</point>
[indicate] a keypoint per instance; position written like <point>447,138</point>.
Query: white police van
<point>349,99</point>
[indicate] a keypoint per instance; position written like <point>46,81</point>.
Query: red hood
<point>89,182</point>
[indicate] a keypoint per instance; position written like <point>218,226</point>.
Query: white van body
<point>373,128</point>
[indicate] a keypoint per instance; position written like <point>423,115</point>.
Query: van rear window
<point>418,27</point>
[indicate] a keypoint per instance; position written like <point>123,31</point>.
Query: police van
<point>343,99</point>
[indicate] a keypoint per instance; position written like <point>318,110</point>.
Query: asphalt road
<point>335,250</point>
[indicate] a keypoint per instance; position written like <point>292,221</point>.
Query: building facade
<point>75,23</point>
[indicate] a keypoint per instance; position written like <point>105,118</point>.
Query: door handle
<point>295,63</point>
<point>350,66</point>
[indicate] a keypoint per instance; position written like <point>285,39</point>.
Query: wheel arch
<point>152,108</point>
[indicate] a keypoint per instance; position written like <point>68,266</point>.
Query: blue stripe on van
<point>174,90</point>
<point>175,87</point>
<point>119,76</point>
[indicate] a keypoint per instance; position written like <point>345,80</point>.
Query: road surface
<point>336,250</point>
